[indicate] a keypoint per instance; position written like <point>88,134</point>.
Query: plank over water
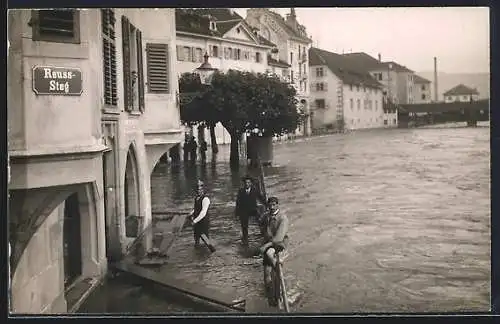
<point>228,299</point>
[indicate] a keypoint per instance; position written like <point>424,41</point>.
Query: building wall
<point>422,93</point>
<point>67,130</point>
<point>389,80</point>
<point>461,98</point>
<point>369,113</point>
<point>405,87</point>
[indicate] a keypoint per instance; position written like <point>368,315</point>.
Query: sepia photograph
<point>174,161</point>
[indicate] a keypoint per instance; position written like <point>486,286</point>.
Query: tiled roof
<point>369,63</point>
<point>460,90</point>
<point>342,68</point>
<point>419,80</point>
<point>278,63</point>
<point>196,21</point>
<point>279,18</point>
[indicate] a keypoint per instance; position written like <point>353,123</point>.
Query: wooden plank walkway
<point>211,297</point>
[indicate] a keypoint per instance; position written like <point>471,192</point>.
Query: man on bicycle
<point>276,239</point>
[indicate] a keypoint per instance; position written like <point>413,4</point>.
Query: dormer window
<point>213,25</point>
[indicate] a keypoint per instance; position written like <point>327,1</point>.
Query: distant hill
<point>446,81</point>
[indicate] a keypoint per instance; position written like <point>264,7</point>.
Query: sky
<point>458,36</point>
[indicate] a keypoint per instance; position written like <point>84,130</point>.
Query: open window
<point>133,75</point>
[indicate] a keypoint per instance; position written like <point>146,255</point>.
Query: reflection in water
<point>381,221</point>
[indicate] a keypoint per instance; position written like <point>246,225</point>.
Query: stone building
<point>228,40</point>
<point>293,45</point>
<point>343,97</point>
<point>91,108</point>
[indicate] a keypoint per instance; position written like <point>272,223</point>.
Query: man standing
<point>246,205</point>
<point>276,237</point>
<point>199,215</point>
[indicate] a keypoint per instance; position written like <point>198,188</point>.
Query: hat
<point>272,199</point>
<point>247,177</point>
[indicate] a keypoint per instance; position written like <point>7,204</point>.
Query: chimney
<point>379,57</point>
<point>435,80</point>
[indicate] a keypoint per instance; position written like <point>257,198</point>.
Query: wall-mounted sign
<point>50,80</point>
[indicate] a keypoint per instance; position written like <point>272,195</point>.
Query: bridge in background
<point>441,112</point>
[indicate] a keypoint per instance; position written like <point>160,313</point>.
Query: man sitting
<point>276,238</point>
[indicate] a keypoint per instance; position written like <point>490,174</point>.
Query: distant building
<point>422,90</point>
<point>293,44</point>
<point>398,80</point>
<point>461,93</point>
<point>228,40</point>
<point>341,94</point>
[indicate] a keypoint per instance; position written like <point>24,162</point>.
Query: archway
<point>131,195</point>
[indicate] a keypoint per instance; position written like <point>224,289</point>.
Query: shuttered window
<point>133,76</point>
<point>109,57</point>
<point>157,68</point>
<point>61,26</point>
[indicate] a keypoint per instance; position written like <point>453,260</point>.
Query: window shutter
<point>193,54</point>
<point>325,86</point>
<point>140,70</point>
<point>313,85</point>
<point>127,81</point>
<point>180,53</point>
<point>157,64</point>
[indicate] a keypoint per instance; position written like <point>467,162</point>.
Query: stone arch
<point>131,189</point>
<point>45,246</point>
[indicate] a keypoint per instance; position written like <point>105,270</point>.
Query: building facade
<point>92,107</point>
<point>461,93</point>
<point>343,97</point>
<point>422,90</point>
<point>293,45</point>
<point>228,40</point>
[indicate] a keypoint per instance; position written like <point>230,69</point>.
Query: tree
<point>242,102</point>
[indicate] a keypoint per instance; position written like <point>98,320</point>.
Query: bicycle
<point>279,295</point>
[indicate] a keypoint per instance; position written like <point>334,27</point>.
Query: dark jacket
<point>246,204</point>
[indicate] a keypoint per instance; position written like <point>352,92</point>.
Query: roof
<point>278,63</point>
<point>460,90</point>
<point>369,63</point>
<point>419,80</point>
<point>343,68</point>
<point>197,21</point>
<point>439,107</point>
<point>279,18</point>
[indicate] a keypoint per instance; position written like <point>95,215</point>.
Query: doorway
<point>72,241</point>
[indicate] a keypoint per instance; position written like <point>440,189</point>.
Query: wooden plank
<point>176,225</point>
<point>231,300</point>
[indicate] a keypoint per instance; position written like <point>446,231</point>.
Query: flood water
<point>381,221</point>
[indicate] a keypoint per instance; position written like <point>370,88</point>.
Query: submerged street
<point>381,221</point>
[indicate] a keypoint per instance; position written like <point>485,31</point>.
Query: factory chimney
<point>435,80</point>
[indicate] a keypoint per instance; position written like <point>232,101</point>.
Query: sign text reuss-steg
<point>57,81</point>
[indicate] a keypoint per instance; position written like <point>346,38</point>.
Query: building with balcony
<point>422,90</point>
<point>228,40</point>
<point>91,108</point>
<point>342,96</point>
<point>461,93</point>
<point>293,45</point>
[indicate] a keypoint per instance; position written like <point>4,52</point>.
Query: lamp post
<point>205,73</point>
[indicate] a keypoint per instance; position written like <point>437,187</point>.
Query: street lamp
<point>205,72</point>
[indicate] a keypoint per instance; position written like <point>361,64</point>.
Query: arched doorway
<point>131,195</point>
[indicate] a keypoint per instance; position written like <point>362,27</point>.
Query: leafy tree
<point>242,101</point>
